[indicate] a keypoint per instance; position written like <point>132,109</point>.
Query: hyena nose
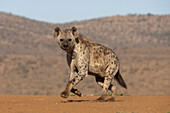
<point>65,45</point>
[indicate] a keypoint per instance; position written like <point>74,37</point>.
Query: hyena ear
<point>75,32</point>
<point>57,31</point>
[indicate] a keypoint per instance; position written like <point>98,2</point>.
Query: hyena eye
<point>69,39</point>
<point>61,40</point>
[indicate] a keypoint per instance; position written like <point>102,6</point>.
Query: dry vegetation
<point>32,63</point>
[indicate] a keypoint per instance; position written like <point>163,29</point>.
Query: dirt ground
<point>85,104</point>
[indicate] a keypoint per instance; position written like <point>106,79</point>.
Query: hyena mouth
<point>65,48</point>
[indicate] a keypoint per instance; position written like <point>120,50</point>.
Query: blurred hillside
<point>32,63</point>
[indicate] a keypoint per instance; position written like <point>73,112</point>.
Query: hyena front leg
<point>74,73</point>
<point>75,91</point>
<point>81,74</point>
<point>66,92</point>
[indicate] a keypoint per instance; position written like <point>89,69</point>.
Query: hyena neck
<point>70,51</point>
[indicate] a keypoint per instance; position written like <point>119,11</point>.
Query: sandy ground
<point>86,104</point>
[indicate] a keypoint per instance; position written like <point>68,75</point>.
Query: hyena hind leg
<point>112,88</point>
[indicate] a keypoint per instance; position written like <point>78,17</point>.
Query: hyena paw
<point>76,91</point>
<point>111,99</point>
<point>64,94</point>
<point>102,98</point>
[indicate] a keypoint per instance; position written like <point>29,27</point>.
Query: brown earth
<point>86,104</point>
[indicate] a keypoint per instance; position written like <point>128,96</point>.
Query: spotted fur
<point>85,58</point>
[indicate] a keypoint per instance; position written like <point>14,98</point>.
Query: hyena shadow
<point>69,101</point>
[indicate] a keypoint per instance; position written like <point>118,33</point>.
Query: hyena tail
<point>120,80</point>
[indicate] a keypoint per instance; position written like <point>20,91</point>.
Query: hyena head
<point>66,38</point>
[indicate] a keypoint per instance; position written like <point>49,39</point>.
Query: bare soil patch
<point>85,104</point>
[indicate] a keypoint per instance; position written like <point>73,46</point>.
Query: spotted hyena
<point>86,57</point>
